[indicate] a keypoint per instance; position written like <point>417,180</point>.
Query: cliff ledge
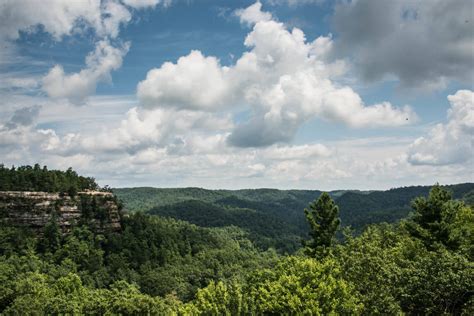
<point>36,209</point>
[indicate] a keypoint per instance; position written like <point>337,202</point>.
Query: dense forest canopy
<point>37,178</point>
<point>274,218</point>
<point>422,264</point>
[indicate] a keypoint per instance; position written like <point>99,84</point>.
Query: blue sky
<point>235,94</point>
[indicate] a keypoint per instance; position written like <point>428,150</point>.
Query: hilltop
<point>275,218</point>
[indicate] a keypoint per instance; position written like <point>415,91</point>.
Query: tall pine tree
<point>323,219</point>
<point>440,220</point>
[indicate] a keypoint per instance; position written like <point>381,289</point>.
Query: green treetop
<point>440,220</point>
<point>323,219</point>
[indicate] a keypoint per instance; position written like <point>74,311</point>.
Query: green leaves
<point>38,294</point>
<point>395,273</point>
<point>296,285</point>
<point>437,283</point>
<point>303,285</point>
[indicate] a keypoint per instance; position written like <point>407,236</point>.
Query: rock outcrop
<point>36,209</point>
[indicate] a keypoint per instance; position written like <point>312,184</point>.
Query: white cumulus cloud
<point>449,143</point>
<point>61,17</point>
<point>141,4</point>
<point>194,82</point>
<point>58,17</point>
<point>76,87</point>
<point>283,80</point>
<point>253,14</point>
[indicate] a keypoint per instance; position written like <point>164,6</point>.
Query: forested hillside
<point>392,205</point>
<point>274,218</point>
<point>422,265</point>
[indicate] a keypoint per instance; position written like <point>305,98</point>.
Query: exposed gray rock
<point>36,209</point>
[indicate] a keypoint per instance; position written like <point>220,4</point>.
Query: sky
<point>227,94</point>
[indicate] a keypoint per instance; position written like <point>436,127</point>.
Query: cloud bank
<point>58,18</point>
<point>196,122</point>
<point>423,44</point>
<point>450,143</point>
<point>62,18</point>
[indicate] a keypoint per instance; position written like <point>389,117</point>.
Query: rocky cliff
<point>36,209</point>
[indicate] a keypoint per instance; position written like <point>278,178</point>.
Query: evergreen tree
<point>440,220</point>
<point>323,219</point>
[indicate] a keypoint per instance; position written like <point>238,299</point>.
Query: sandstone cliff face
<point>36,209</point>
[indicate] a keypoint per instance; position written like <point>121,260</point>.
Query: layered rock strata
<point>36,209</point>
